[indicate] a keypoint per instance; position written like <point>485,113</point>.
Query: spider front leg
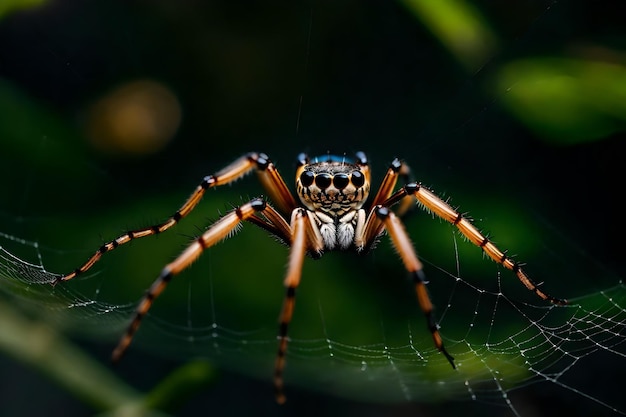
<point>397,169</point>
<point>268,175</point>
<point>443,210</point>
<point>220,230</point>
<point>404,247</point>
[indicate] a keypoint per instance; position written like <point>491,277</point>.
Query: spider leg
<point>403,245</point>
<point>396,169</point>
<point>443,210</point>
<point>268,175</point>
<point>220,230</point>
<point>374,226</point>
<point>275,224</point>
<point>300,223</point>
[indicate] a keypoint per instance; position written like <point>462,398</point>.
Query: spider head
<point>333,184</point>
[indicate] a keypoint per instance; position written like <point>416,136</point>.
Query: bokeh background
<point>111,113</point>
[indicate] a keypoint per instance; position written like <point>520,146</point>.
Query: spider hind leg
<point>217,232</point>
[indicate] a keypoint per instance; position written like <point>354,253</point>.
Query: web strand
<point>551,342</point>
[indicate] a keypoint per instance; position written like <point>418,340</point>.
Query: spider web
<point>357,331</point>
<point>503,345</point>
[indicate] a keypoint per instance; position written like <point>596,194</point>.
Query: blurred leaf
<point>460,27</point>
<point>7,6</point>
<point>175,390</point>
<point>38,345</point>
<point>566,101</point>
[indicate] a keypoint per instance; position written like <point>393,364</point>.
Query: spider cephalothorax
<point>334,189</point>
<point>334,213</point>
<point>332,184</point>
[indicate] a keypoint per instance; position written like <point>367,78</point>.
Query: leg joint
<point>382,212</point>
<point>261,160</point>
<point>419,277</point>
<point>258,204</point>
<point>208,181</point>
<point>412,187</point>
<point>396,165</point>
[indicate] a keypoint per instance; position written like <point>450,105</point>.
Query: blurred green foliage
<point>38,345</point>
<point>460,27</point>
<point>7,6</point>
<point>567,101</point>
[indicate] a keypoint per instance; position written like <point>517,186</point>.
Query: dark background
<point>317,77</point>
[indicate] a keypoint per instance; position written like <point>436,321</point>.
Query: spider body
<point>333,190</point>
<point>333,213</point>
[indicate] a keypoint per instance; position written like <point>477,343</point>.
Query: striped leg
<point>442,209</point>
<point>403,245</point>
<point>268,175</point>
<point>374,226</point>
<point>396,169</point>
<point>299,224</point>
<point>217,232</point>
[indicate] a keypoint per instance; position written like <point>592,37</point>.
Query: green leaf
<point>566,101</point>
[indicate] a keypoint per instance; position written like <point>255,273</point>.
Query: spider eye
<point>340,181</point>
<point>323,180</point>
<point>358,179</point>
<point>306,178</point>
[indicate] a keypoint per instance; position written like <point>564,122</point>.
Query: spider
<point>331,214</point>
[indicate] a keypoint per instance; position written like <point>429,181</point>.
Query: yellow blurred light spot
<point>140,117</point>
